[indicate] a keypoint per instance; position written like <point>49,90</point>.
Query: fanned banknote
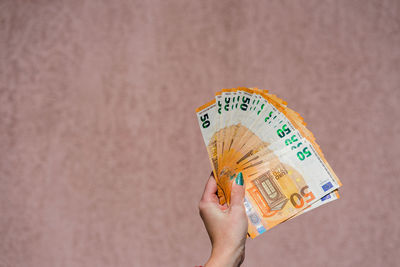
<point>285,173</point>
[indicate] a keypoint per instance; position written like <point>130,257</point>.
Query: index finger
<point>210,191</point>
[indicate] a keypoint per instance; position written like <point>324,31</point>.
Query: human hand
<point>226,226</point>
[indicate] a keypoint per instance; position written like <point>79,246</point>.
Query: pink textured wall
<point>101,158</point>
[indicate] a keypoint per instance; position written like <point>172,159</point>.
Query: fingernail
<point>239,179</point>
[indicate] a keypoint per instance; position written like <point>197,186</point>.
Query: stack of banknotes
<point>251,131</point>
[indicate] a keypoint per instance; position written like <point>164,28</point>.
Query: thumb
<point>237,193</point>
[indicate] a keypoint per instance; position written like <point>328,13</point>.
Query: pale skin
<point>226,226</point>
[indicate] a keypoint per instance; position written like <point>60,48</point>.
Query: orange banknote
<point>251,131</point>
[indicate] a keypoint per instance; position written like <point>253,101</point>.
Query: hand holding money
<point>253,132</point>
<point>226,226</point>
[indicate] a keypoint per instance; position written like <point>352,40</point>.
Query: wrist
<point>226,257</point>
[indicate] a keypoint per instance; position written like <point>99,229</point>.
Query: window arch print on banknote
<point>261,203</point>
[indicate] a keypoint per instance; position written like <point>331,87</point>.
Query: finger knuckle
<point>202,205</point>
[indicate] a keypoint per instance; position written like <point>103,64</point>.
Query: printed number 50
<point>282,132</point>
<point>301,155</point>
<point>205,121</point>
<point>298,200</point>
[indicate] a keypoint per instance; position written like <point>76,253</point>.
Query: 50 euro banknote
<point>250,131</point>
